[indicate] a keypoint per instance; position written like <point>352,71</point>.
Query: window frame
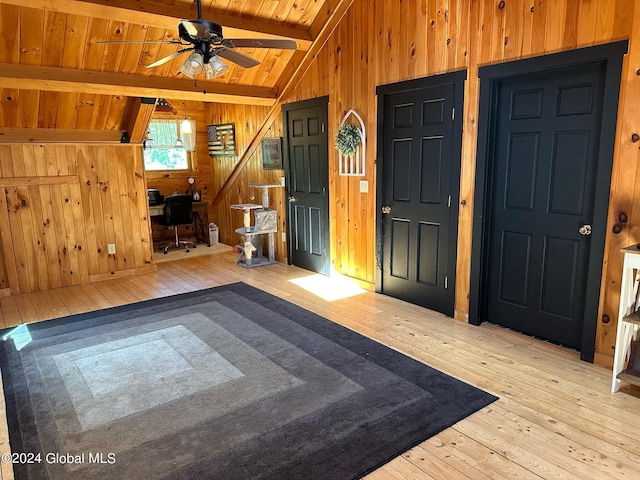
<point>189,155</point>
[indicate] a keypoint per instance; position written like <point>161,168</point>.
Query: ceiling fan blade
<point>236,57</point>
<point>196,30</point>
<point>177,42</point>
<point>262,43</point>
<point>164,60</point>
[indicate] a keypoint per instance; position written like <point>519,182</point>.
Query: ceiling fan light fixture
<point>217,66</point>
<point>208,72</point>
<point>193,65</point>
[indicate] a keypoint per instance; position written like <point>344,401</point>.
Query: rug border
<point>74,317</point>
<point>252,293</point>
<point>491,398</point>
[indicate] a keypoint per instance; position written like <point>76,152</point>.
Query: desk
<point>200,219</point>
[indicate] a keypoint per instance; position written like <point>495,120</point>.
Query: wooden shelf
<point>628,324</point>
<point>633,318</point>
<point>629,378</point>
<point>253,231</point>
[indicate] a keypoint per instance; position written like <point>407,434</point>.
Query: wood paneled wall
<point>376,43</point>
<point>247,119</point>
<point>384,42</point>
<point>61,205</point>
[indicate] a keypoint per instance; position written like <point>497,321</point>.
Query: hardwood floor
<point>555,418</point>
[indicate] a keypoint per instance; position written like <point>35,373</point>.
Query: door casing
<point>611,55</point>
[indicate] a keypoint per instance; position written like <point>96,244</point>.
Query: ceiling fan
<point>207,44</point>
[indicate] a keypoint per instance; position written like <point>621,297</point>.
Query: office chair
<point>177,211</point>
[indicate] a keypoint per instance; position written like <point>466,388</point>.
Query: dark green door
<point>544,177</point>
<point>308,184</point>
<point>420,193</point>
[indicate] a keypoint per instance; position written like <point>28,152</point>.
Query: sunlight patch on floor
<point>20,335</point>
<point>331,288</point>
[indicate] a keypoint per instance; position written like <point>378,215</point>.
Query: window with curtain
<point>163,149</point>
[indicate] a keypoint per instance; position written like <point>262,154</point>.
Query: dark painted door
<point>546,149</point>
<point>419,188</point>
<point>308,183</point>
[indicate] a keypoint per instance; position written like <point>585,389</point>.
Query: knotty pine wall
<point>60,205</point>
<point>384,42</point>
<point>248,119</point>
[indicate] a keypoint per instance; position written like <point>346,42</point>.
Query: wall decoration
<point>350,141</point>
<point>272,153</point>
<point>197,195</point>
<point>162,105</point>
<point>222,139</point>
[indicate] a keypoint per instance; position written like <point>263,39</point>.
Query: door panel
<point>428,253</point>
<point>431,170</point>
<point>515,263</point>
<point>420,178</point>
<point>543,191</point>
<point>308,173</point>
<point>399,244</point>
<point>559,276</point>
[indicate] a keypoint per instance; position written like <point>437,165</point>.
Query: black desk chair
<point>177,211</point>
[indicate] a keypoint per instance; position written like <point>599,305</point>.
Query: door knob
<point>386,209</point>
<point>585,230</point>
<point>292,199</point>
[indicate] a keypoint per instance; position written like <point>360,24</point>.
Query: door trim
<point>286,108</point>
<point>611,55</point>
<point>457,78</point>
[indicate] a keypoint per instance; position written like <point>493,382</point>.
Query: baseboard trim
<point>98,277</point>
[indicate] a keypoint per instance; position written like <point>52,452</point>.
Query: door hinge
<point>449,202</point>
<point>453,113</point>
<point>446,282</point>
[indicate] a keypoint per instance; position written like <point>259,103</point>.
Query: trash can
<point>213,234</point>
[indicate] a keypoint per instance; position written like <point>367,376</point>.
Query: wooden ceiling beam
<point>33,77</point>
<point>161,15</point>
<point>338,11</point>
<point>325,16</point>
<point>139,121</point>
<point>58,135</point>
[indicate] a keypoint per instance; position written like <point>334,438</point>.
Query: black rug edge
<point>280,305</point>
<point>12,412</point>
<point>267,300</point>
<point>75,317</point>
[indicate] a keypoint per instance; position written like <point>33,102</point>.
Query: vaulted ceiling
<point>56,73</point>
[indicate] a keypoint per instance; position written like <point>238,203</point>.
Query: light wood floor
<point>555,418</point>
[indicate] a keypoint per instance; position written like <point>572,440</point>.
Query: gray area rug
<point>224,383</point>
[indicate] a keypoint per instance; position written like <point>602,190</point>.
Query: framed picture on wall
<point>197,195</point>
<point>272,153</point>
<point>222,140</point>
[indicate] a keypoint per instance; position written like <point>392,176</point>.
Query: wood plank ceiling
<point>55,73</point>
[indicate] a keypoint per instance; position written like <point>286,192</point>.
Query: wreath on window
<point>348,139</point>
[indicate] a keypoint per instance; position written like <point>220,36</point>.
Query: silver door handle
<point>386,209</point>
<point>585,230</point>
<point>292,199</point>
